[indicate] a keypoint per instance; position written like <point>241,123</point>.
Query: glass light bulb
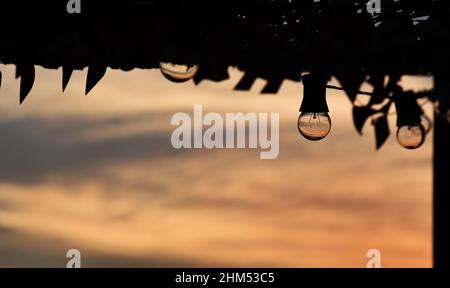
<point>425,121</point>
<point>314,126</point>
<point>411,136</point>
<point>177,72</point>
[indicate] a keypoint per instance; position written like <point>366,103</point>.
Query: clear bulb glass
<point>178,72</point>
<point>314,126</point>
<point>425,121</point>
<point>411,136</point>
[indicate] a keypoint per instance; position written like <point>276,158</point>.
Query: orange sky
<point>99,174</point>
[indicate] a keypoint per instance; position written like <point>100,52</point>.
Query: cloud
<point>32,148</point>
<point>27,250</point>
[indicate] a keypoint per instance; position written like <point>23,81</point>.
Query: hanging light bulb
<point>314,123</point>
<point>314,126</point>
<point>410,120</point>
<point>411,137</point>
<point>178,72</point>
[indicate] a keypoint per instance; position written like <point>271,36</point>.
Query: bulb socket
<point>408,111</point>
<point>314,93</point>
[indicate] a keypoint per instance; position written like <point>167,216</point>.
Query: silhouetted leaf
<point>386,107</point>
<point>27,74</point>
<point>360,116</point>
<point>272,86</point>
<point>95,74</point>
<point>67,73</point>
<point>376,80</point>
<point>246,82</point>
<point>214,72</point>
<point>379,93</point>
<point>394,78</point>
<point>17,75</point>
<point>381,131</point>
<point>351,83</point>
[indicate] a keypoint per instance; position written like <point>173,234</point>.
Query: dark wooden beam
<point>441,195</point>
